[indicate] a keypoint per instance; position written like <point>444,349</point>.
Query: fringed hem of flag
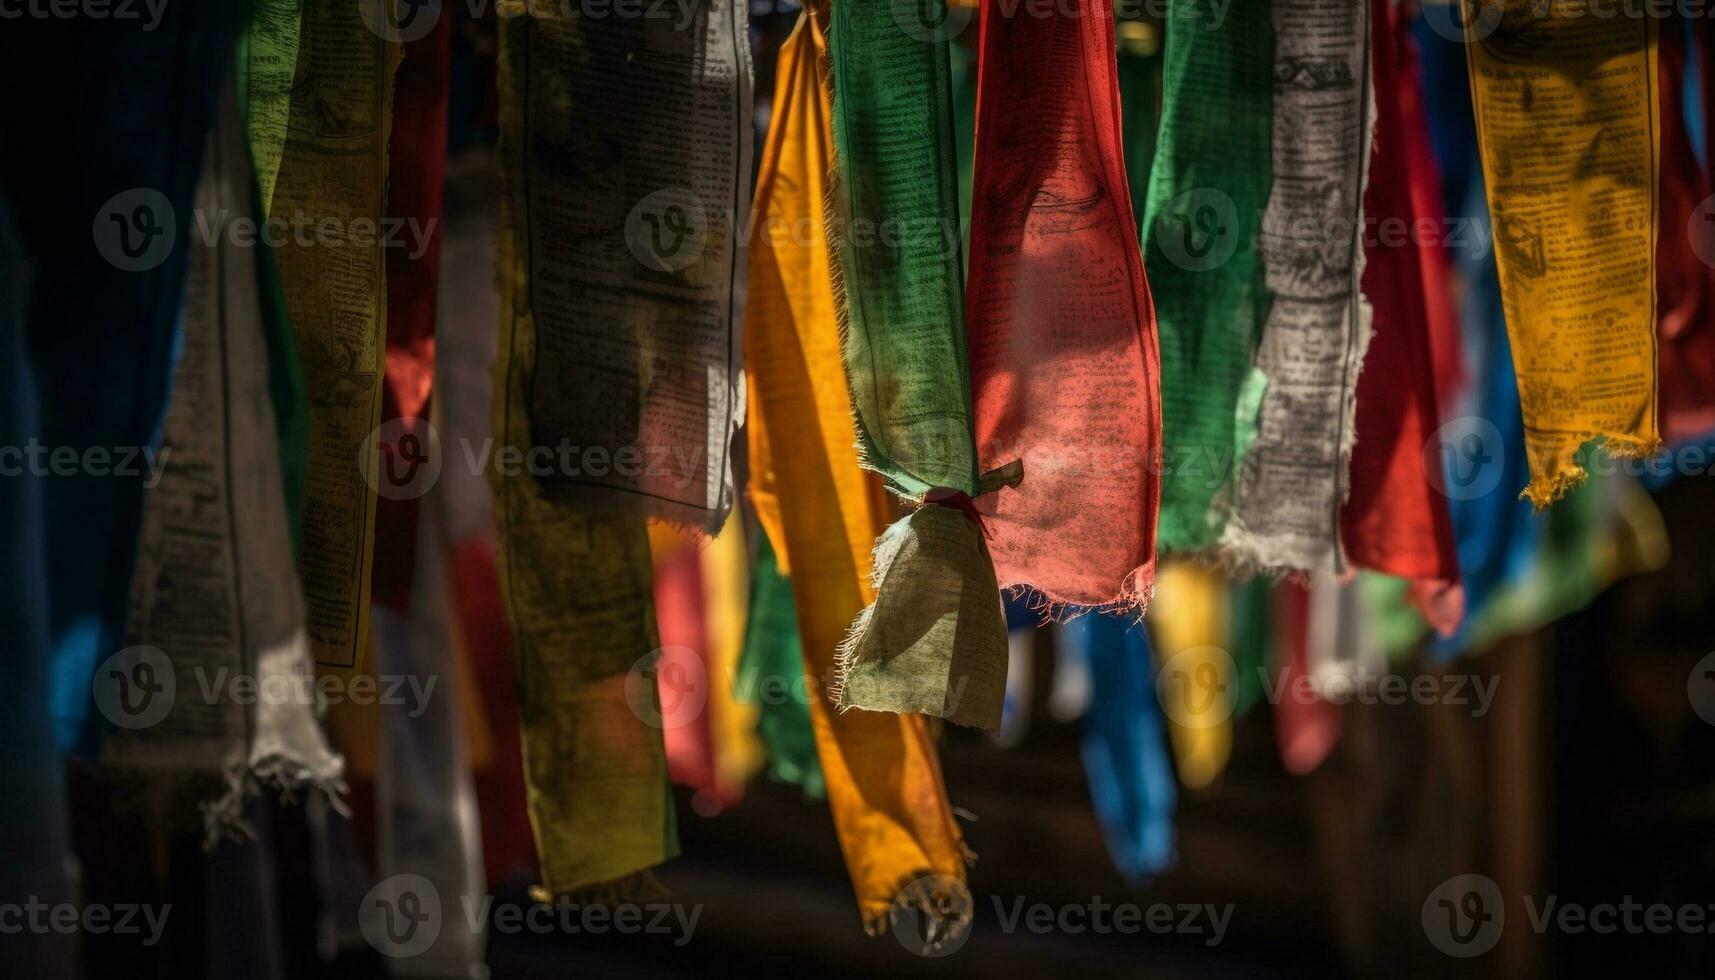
<point>636,888</point>
<point>1545,490</point>
<point>223,817</point>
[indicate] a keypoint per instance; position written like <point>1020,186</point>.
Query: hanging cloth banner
<point>1567,123</point>
<point>882,776</point>
<point>1194,680</point>
<point>1395,519</point>
<point>1207,191</point>
<point>1124,745</point>
<point>637,174</point>
<point>108,231</point>
<point>215,598</point>
<point>935,639</point>
<point>417,161</point>
<point>267,65</point>
<point>771,671</point>
<point>578,156</point>
<point>1064,367</point>
<point>1685,274</point>
<point>333,175</point>
<point>1293,477</point>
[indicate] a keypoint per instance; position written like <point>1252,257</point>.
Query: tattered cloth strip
<point>215,601</point>
<point>1207,192</point>
<point>267,66</point>
<point>1306,726</point>
<point>1293,477</point>
<point>934,641</point>
<point>104,213</point>
<point>33,808</point>
<point>732,725</point>
<point>1124,744</point>
<point>333,175</point>
<point>1395,519</point>
<point>884,785</point>
<point>682,672</point>
<point>578,583</point>
<point>1685,256</point>
<point>417,170</point>
<point>771,673</point>
<point>1566,122</point>
<point>1064,368</point>
<point>1195,679</point>
<point>636,172</point>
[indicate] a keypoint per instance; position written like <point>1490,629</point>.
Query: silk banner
<point>1685,256</point>
<point>106,215</point>
<point>637,175</point>
<point>1064,367</point>
<point>771,676</point>
<point>1567,123</point>
<point>1194,678</point>
<point>935,640</point>
<point>1124,745</point>
<point>215,599</point>
<point>1396,519</point>
<point>267,66</point>
<point>333,177</point>
<point>417,170</point>
<point>1294,475</point>
<point>1207,191</point>
<point>577,583</point>
<point>884,786</point>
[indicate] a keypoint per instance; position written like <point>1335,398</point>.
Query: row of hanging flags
<point>1169,327</point>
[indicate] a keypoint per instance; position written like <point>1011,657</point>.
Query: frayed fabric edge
<point>1545,490</point>
<point>223,817</point>
<point>636,888</point>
